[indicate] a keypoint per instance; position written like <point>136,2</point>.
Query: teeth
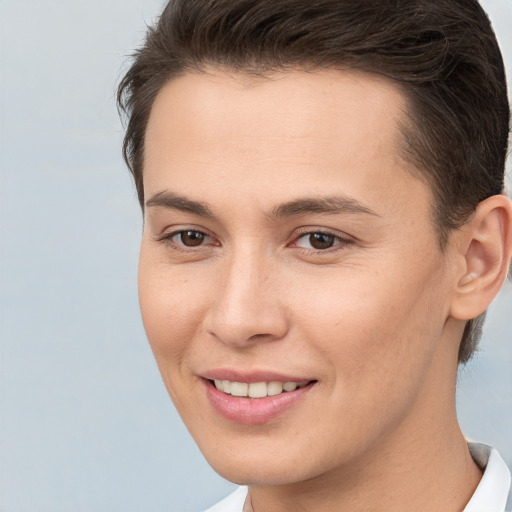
<point>226,386</point>
<point>257,389</point>
<point>239,388</point>
<point>290,386</point>
<point>274,388</point>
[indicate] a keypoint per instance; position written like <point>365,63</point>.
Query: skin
<point>376,319</point>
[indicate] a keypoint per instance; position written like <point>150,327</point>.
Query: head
<point>318,180</point>
<point>442,55</point>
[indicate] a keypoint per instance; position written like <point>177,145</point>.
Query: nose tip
<point>247,310</point>
<point>240,331</point>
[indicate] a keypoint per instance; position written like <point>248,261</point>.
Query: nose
<point>247,306</point>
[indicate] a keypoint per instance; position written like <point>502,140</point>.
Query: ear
<point>485,254</point>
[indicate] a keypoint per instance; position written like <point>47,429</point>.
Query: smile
<point>256,402</point>
<point>257,389</point>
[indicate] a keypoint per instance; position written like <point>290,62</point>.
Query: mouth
<point>255,403</point>
<point>257,389</point>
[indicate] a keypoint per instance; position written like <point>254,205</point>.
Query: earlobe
<point>486,252</point>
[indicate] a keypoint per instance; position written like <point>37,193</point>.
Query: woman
<point>324,229</point>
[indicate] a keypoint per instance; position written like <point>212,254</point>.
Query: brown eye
<point>191,238</point>
<point>321,240</point>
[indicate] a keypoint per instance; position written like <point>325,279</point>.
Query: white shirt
<point>490,495</point>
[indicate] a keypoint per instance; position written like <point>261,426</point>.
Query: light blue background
<point>85,423</point>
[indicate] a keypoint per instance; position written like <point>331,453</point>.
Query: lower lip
<point>253,411</point>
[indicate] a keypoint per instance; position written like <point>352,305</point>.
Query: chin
<point>249,473</point>
<point>263,465</point>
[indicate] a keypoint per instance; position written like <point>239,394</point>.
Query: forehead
<point>315,104</point>
<point>227,132</point>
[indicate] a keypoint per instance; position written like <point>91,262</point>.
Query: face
<point>291,284</point>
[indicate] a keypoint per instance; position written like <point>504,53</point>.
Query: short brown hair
<point>443,53</point>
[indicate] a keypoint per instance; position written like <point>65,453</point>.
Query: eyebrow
<point>332,205</point>
<point>172,201</point>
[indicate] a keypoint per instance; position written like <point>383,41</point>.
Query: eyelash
<point>339,241</point>
<point>168,240</point>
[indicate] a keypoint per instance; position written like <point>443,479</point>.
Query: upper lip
<point>251,376</point>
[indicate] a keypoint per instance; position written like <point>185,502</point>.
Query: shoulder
<point>232,503</point>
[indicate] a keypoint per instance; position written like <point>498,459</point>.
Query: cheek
<point>376,337</point>
<point>377,328</point>
<point>171,315</point>
<point>170,312</point>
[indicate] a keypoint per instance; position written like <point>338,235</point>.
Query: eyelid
<point>167,238</point>
<point>342,239</point>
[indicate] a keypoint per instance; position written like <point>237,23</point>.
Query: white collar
<point>492,491</point>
